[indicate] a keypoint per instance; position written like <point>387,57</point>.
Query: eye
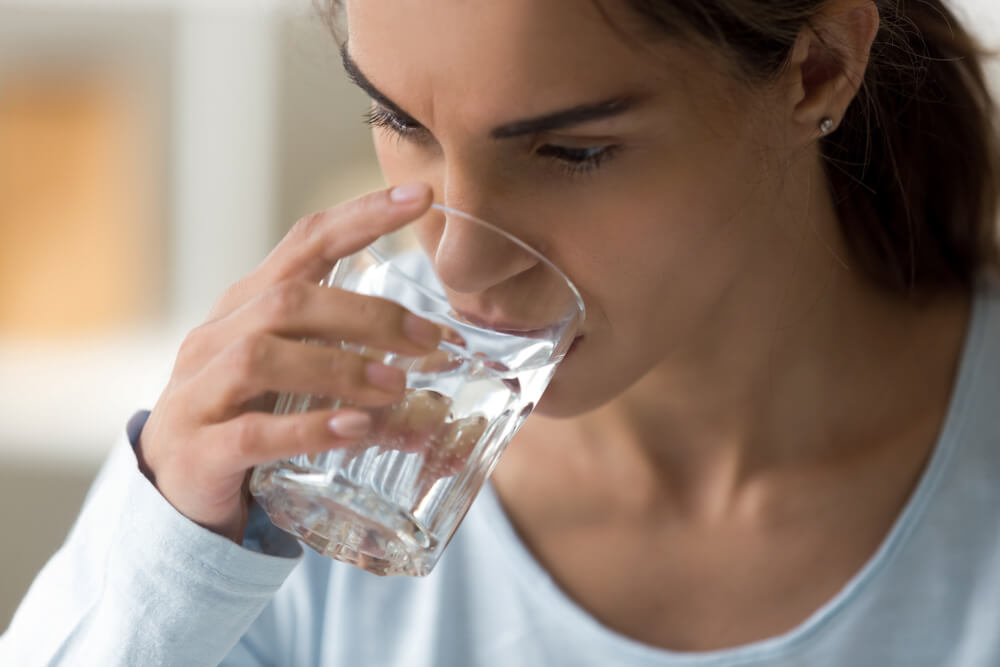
<point>402,126</point>
<point>578,160</point>
<point>569,159</point>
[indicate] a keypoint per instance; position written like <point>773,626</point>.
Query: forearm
<point>136,583</point>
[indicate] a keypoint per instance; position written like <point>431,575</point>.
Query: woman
<point>775,442</point>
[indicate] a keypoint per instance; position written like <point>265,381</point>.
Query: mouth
<point>510,328</point>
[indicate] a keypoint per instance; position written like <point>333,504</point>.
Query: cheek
<point>658,232</point>
<point>396,167</point>
<point>429,230</point>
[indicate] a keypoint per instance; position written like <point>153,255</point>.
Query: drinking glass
<point>390,503</point>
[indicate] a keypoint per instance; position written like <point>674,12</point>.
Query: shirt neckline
<point>543,588</point>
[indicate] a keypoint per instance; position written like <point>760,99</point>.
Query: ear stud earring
<point>826,125</point>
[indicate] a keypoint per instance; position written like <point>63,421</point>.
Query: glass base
<point>348,524</point>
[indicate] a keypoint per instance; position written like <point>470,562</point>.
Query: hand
<point>203,436</point>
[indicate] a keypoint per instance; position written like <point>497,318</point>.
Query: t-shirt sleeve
<point>137,583</point>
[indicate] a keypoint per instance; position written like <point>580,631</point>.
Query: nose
<point>474,256</point>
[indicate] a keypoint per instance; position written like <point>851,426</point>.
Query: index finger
<point>315,243</point>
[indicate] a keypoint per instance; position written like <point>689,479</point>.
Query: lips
<point>502,326</point>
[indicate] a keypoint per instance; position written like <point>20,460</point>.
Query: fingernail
<point>420,331</point>
<point>405,194</point>
<point>385,377</point>
<point>350,424</point>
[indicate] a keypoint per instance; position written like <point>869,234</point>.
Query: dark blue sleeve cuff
<point>260,534</point>
<point>134,426</point>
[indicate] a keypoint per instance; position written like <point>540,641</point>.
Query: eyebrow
<point>549,122</point>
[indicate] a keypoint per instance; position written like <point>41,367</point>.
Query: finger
<point>317,241</point>
<point>261,363</point>
<point>255,438</point>
<point>304,310</point>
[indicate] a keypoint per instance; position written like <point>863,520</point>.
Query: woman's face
<point>640,170</point>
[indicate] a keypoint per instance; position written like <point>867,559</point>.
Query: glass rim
<point>524,246</point>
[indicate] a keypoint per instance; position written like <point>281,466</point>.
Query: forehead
<point>499,57</point>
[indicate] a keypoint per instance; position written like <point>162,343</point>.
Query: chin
<point>576,388</point>
<point>565,404</point>
<point>583,381</point>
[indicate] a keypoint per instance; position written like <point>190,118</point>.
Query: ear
<point>827,64</point>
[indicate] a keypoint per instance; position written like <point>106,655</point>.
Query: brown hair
<point>914,164</point>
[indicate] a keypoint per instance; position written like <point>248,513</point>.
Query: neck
<point>852,374</point>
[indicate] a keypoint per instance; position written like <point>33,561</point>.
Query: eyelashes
<point>571,160</point>
<point>578,160</point>
<point>380,117</point>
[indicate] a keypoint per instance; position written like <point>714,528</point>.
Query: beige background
<point>74,369</point>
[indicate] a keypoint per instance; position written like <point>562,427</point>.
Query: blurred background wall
<point>151,153</point>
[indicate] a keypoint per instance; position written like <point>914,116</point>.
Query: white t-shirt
<point>138,584</point>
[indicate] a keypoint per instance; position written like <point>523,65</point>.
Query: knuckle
<point>196,350</point>
<point>283,301</point>
<point>235,293</point>
<point>243,436</point>
<point>307,225</point>
<point>377,314</point>
<point>249,354</point>
<point>345,368</point>
<point>192,345</point>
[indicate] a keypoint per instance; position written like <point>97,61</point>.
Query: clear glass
<point>391,503</point>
